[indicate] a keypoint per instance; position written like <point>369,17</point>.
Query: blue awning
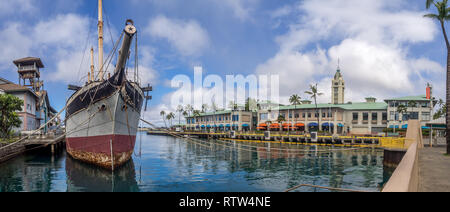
<point>405,126</point>
<point>313,125</point>
<point>246,125</point>
<point>340,125</point>
<point>208,126</point>
<point>235,125</point>
<point>425,128</point>
<point>203,126</point>
<point>228,125</point>
<point>327,125</point>
<point>392,126</point>
<point>221,126</point>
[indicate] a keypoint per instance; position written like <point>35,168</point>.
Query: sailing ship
<point>103,115</point>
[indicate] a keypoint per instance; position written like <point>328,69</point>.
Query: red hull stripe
<point>101,144</point>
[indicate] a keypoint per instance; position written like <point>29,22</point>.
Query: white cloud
<point>8,7</point>
<point>188,37</point>
<point>15,44</point>
<point>372,40</point>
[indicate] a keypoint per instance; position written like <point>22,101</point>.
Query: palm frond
<point>428,3</point>
<point>433,16</point>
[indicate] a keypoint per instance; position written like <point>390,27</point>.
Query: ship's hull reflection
<point>83,177</point>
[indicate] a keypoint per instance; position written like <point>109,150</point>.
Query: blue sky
<point>386,47</point>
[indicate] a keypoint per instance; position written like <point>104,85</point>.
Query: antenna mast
<point>100,40</point>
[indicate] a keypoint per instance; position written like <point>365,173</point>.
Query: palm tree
<point>295,100</point>
<point>189,109</point>
<point>196,113</point>
<point>180,110</point>
<point>170,117</point>
<point>412,104</point>
<point>314,94</point>
<point>163,114</point>
<point>442,16</point>
<point>401,109</point>
<point>280,121</point>
<point>204,108</point>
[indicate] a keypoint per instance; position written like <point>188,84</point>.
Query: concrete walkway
<point>434,170</point>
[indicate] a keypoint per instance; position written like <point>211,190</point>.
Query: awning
<point>327,125</point>
<point>208,126</point>
<point>313,124</point>
<point>392,126</point>
<point>299,125</point>
<point>340,125</point>
<point>274,126</point>
<point>221,126</point>
<point>425,128</point>
<point>286,126</point>
<point>262,125</point>
<point>203,126</point>
<point>228,125</point>
<point>245,125</point>
<point>405,126</point>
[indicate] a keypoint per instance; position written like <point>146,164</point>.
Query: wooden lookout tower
<point>29,74</point>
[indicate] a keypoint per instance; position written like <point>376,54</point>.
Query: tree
<point>163,114</point>
<point>280,121</point>
<point>412,104</point>
<point>441,111</point>
<point>442,16</point>
<point>295,100</point>
<point>204,108</point>
<point>196,113</point>
<point>313,91</point>
<point>170,117</point>
<point>180,110</point>
<point>9,119</point>
<point>401,109</point>
<point>189,109</point>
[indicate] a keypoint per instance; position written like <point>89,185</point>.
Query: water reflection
<point>89,178</point>
<point>173,165</point>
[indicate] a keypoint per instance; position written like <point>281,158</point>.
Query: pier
<point>353,141</point>
<point>54,142</point>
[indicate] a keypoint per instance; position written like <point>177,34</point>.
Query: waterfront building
<point>360,118</point>
<point>417,108</point>
<point>36,109</point>
<point>224,120</point>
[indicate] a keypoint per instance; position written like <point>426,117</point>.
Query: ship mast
<point>92,78</point>
<point>100,40</point>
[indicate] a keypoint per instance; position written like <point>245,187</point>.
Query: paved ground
<point>434,170</point>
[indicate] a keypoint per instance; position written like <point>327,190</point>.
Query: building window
<point>324,115</point>
<point>393,116</point>
<point>330,114</point>
<point>414,115</point>
<point>365,116</point>
<point>374,116</point>
<point>355,116</point>
<point>303,115</point>
<point>297,115</point>
<point>290,115</point>
<point>309,115</point>
<point>425,104</point>
<point>426,116</point>
<point>263,116</point>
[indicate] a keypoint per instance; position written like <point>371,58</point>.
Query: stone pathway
<point>434,170</point>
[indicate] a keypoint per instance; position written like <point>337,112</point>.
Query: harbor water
<point>168,164</point>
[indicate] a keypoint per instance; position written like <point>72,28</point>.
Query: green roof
<point>409,98</point>
<point>213,113</point>
<point>352,106</point>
